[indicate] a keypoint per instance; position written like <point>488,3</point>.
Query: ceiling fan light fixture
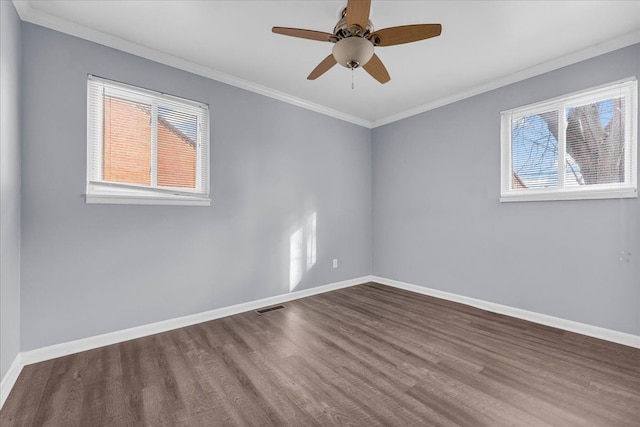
<point>353,52</point>
<point>354,40</point>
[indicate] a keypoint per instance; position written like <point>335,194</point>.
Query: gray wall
<point>10,46</point>
<point>437,221</point>
<point>92,269</point>
<point>89,269</point>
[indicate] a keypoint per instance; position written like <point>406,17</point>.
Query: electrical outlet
<point>335,263</point>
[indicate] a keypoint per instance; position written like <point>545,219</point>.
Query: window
<point>145,147</point>
<point>580,146</point>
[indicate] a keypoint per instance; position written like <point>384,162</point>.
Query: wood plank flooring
<point>366,355</point>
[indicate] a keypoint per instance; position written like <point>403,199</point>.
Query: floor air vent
<point>268,309</point>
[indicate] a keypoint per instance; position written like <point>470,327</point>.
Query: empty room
<point>353,212</point>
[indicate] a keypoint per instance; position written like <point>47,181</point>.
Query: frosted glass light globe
<point>353,52</point>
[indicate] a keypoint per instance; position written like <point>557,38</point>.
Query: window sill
<point>547,195</point>
<point>119,199</point>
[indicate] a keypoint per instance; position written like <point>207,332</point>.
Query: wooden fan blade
<point>322,67</point>
<point>303,34</point>
<point>376,68</point>
<point>358,13</point>
<point>405,34</point>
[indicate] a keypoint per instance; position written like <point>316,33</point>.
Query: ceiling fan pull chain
<point>352,86</point>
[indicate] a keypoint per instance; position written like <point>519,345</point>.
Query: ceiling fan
<point>355,40</point>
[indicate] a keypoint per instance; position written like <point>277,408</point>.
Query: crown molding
<point>563,61</point>
<point>35,16</point>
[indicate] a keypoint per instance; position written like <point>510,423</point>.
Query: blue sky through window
<point>535,150</point>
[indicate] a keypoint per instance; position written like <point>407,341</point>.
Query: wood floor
<point>366,355</point>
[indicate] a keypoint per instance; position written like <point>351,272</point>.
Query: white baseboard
<point>10,379</point>
<point>543,319</point>
<point>64,349</point>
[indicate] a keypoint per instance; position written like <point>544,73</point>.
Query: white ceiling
<point>484,44</point>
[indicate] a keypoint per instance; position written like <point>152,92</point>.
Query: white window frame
<point>627,88</point>
<point>104,192</point>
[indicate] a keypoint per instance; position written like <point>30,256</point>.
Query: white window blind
<point>145,146</point>
<point>582,145</point>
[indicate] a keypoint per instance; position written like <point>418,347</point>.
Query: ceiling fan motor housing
<point>342,29</point>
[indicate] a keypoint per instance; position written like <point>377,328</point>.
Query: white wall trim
<point>84,344</point>
<point>34,16</point>
<point>89,343</point>
<point>563,61</point>
<point>10,379</point>
<point>71,347</point>
<point>543,319</point>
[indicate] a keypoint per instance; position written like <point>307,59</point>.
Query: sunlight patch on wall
<point>311,240</point>
<point>302,250</point>
<point>295,259</point>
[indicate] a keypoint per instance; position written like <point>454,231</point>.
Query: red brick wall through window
<point>127,147</point>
